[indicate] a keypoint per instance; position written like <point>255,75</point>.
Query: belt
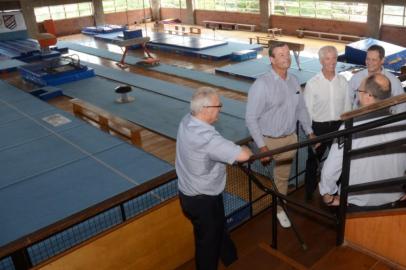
<point>283,136</point>
<point>328,122</point>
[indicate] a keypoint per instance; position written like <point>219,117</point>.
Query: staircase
<point>263,257</point>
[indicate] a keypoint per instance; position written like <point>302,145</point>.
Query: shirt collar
<point>276,75</point>
<point>200,122</point>
<point>321,75</point>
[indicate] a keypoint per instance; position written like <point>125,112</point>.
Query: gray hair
<point>201,98</point>
<point>326,49</point>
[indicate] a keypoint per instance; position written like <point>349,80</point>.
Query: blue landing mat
<point>10,64</point>
<point>51,172</point>
<point>219,81</point>
<point>254,68</point>
<point>184,42</point>
<point>231,106</point>
<point>110,37</point>
<point>153,111</point>
<point>18,48</point>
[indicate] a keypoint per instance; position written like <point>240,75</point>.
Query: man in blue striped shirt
<point>275,104</point>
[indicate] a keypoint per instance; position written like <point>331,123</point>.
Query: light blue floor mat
<point>154,111</point>
<point>211,79</point>
<point>252,69</point>
<point>231,106</point>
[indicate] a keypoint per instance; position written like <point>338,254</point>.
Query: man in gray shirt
<point>201,157</point>
<point>275,104</point>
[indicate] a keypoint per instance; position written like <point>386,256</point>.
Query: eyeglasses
<point>214,106</point>
<point>366,92</point>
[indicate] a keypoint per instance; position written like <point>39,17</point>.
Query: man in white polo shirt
<point>327,96</point>
<point>201,158</point>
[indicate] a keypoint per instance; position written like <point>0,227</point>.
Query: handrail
<point>284,197</point>
<point>389,102</point>
<point>377,184</point>
<point>331,135</point>
<point>346,139</point>
<point>377,147</point>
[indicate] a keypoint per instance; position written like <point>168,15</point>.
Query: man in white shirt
<point>327,96</point>
<point>374,62</point>
<point>375,166</point>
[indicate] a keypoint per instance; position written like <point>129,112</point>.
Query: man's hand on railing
<point>265,160</point>
<point>312,136</point>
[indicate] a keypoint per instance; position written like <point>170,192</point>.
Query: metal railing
<point>345,137</point>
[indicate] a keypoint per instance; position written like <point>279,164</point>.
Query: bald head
<point>374,88</point>
<point>379,86</point>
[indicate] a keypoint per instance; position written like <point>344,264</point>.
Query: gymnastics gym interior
<point>92,93</point>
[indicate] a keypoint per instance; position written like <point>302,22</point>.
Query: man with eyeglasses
<point>327,96</point>
<point>201,158</point>
<point>375,166</point>
<point>374,61</point>
<point>275,104</point>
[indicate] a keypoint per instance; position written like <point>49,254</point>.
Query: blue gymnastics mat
<point>110,37</point>
<point>154,111</point>
<point>10,64</point>
<point>252,69</point>
<point>103,29</point>
<point>54,165</point>
<point>219,81</point>
<point>183,42</point>
<point>231,106</point>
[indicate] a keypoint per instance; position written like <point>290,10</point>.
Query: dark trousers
<point>212,240</point>
<point>315,156</point>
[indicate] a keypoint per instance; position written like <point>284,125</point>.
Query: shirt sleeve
<point>303,115</point>
<point>255,107</point>
<point>353,86</point>
<point>308,98</point>
<point>348,101</point>
<point>222,150</point>
<point>397,89</point>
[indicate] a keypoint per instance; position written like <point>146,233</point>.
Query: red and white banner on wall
<point>11,21</point>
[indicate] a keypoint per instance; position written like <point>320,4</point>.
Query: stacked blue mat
<point>103,29</point>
